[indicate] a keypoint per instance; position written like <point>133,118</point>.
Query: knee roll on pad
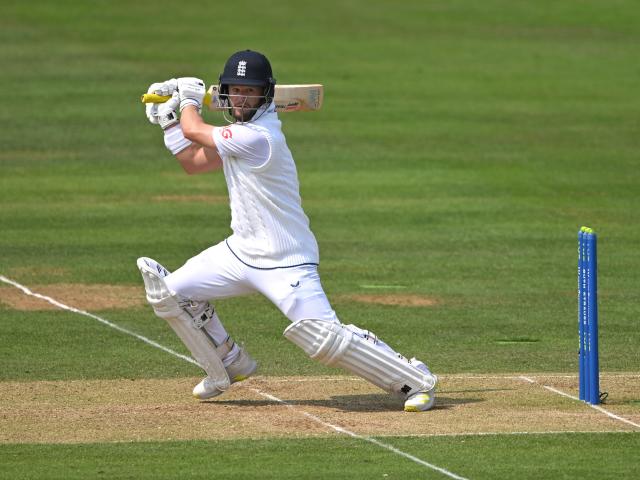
<point>187,319</point>
<point>335,345</point>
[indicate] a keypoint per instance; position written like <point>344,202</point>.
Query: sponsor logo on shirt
<point>226,133</point>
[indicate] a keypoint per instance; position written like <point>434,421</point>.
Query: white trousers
<point>217,273</point>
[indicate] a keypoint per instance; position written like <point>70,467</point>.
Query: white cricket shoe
<point>421,401</point>
<point>240,369</point>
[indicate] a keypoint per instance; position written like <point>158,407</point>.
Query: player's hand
<point>192,91</point>
<point>161,88</point>
<point>167,116</point>
<point>164,88</point>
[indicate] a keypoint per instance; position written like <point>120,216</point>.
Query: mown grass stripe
<point>126,331</point>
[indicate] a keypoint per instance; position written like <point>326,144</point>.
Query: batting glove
<point>167,116</point>
<point>166,88</point>
<point>161,88</point>
<point>192,91</point>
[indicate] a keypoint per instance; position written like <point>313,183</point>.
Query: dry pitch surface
<point>135,410</point>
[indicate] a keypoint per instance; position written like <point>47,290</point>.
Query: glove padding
<point>165,88</point>
<point>167,116</point>
<point>168,87</point>
<point>192,91</point>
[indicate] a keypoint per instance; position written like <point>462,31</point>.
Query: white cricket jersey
<point>270,228</point>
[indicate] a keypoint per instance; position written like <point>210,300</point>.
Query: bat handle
<point>153,98</point>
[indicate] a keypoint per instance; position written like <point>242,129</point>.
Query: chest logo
<point>226,133</point>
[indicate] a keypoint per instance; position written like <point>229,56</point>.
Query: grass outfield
<point>460,148</point>
<point>539,456</point>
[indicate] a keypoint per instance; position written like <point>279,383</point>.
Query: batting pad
<point>190,329</point>
<point>334,345</point>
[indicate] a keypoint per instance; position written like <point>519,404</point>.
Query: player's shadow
<point>379,402</point>
<point>373,402</point>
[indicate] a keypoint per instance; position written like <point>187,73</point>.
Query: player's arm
<point>240,142</point>
<point>193,157</point>
<point>250,146</point>
<point>195,129</point>
<point>198,159</point>
<point>201,155</point>
<point>191,92</point>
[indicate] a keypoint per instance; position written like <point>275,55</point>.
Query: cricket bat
<point>288,98</point>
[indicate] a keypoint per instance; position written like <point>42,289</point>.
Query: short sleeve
<point>244,143</point>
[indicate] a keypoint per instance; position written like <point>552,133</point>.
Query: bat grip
<point>153,98</point>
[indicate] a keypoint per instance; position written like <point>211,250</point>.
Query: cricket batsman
<point>271,249</point>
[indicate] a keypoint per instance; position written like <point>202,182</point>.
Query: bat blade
<point>287,98</point>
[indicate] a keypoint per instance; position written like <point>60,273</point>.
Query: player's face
<point>244,101</point>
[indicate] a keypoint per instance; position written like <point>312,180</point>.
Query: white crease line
<point>360,437</point>
<point>488,434</point>
<point>266,395</point>
<point>99,319</point>
<point>595,407</point>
